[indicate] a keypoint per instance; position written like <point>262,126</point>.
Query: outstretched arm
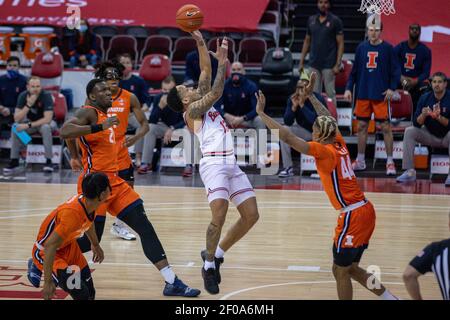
<point>84,123</point>
<point>204,81</point>
<point>285,134</point>
<point>199,107</point>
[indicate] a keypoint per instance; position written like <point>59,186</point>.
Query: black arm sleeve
<point>424,260</point>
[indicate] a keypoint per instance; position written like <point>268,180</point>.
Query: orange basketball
<point>189,18</point>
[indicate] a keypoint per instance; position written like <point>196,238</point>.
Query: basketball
<point>189,18</point>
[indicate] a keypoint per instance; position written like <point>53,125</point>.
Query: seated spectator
<point>139,87</point>
<point>431,125</point>
<point>11,85</point>
<point>34,113</point>
<point>83,47</point>
<point>192,72</point>
<point>304,116</point>
<point>131,82</point>
<point>238,101</point>
<point>163,121</point>
<point>415,63</point>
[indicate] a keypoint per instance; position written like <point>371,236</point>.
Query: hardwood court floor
<point>286,256</point>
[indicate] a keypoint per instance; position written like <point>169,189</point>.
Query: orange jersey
<point>121,108</point>
<point>69,220</point>
<point>99,150</point>
<point>336,173</point>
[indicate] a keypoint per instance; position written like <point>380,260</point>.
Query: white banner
<point>380,150</point>
<point>36,154</point>
<point>439,164</point>
<point>307,163</point>
<point>344,117</point>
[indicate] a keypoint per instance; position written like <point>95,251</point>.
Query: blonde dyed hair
<point>327,127</point>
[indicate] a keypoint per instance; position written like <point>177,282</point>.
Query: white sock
<point>361,157</point>
<point>412,172</point>
<point>168,274</point>
<point>390,159</point>
<point>388,296</point>
<point>219,252</point>
<point>209,265</point>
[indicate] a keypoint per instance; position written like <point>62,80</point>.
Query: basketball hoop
<point>377,6</point>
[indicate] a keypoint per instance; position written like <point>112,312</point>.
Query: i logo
<point>372,63</point>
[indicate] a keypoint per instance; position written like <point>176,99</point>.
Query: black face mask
<point>236,78</point>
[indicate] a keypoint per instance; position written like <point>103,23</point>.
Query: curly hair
<point>103,66</point>
<point>327,126</point>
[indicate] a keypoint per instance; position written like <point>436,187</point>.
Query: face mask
<point>236,78</point>
<point>12,74</point>
<point>83,28</point>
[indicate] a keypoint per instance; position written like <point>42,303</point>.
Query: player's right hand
<point>348,95</point>
<point>261,102</point>
<point>110,122</point>
<point>76,165</point>
<point>427,111</point>
<point>98,256</point>
<point>49,290</point>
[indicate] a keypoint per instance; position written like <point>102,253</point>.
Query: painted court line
<point>231,294</point>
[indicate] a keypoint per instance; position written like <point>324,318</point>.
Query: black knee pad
<point>137,220</point>
<point>84,243</point>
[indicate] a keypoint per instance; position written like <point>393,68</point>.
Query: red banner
<point>434,17</point>
<point>220,15</point>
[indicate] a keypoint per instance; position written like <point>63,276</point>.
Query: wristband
<point>29,124</point>
<point>96,128</point>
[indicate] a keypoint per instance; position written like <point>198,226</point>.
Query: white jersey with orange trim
<point>216,141</point>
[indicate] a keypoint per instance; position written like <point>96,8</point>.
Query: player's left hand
<point>436,112</point>
<point>49,290</point>
<point>261,102</point>
<point>98,256</point>
<point>197,35</point>
<point>388,94</point>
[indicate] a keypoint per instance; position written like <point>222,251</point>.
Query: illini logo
<point>409,64</point>
<point>372,63</point>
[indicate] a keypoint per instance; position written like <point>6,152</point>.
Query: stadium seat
<point>341,79</point>
<point>277,76</point>
<point>401,117</point>
<point>49,67</point>
<point>5,42</point>
<point>157,44</point>
<point>330,106</point>
<point>212,46</point>
<point>251,51</point>
<point>270,23</point>
<point>100,46</point>
<point>181,48</point>
<point>59,108</point>
<point>37,40</point>
<point>173,33</point>
<point>154,68</point>
<point>140,34</point>
<point>122,44</point>
<point>106,33</point>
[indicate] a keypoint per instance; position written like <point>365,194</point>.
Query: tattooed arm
<point>199,107</point>
<point>204,81</point>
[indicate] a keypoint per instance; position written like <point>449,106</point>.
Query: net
<point>377,6</point>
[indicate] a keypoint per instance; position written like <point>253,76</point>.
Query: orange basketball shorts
<point>365,108</point>
<point>354,228</point>
<point>70,255</point>
<point>122,195</point>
